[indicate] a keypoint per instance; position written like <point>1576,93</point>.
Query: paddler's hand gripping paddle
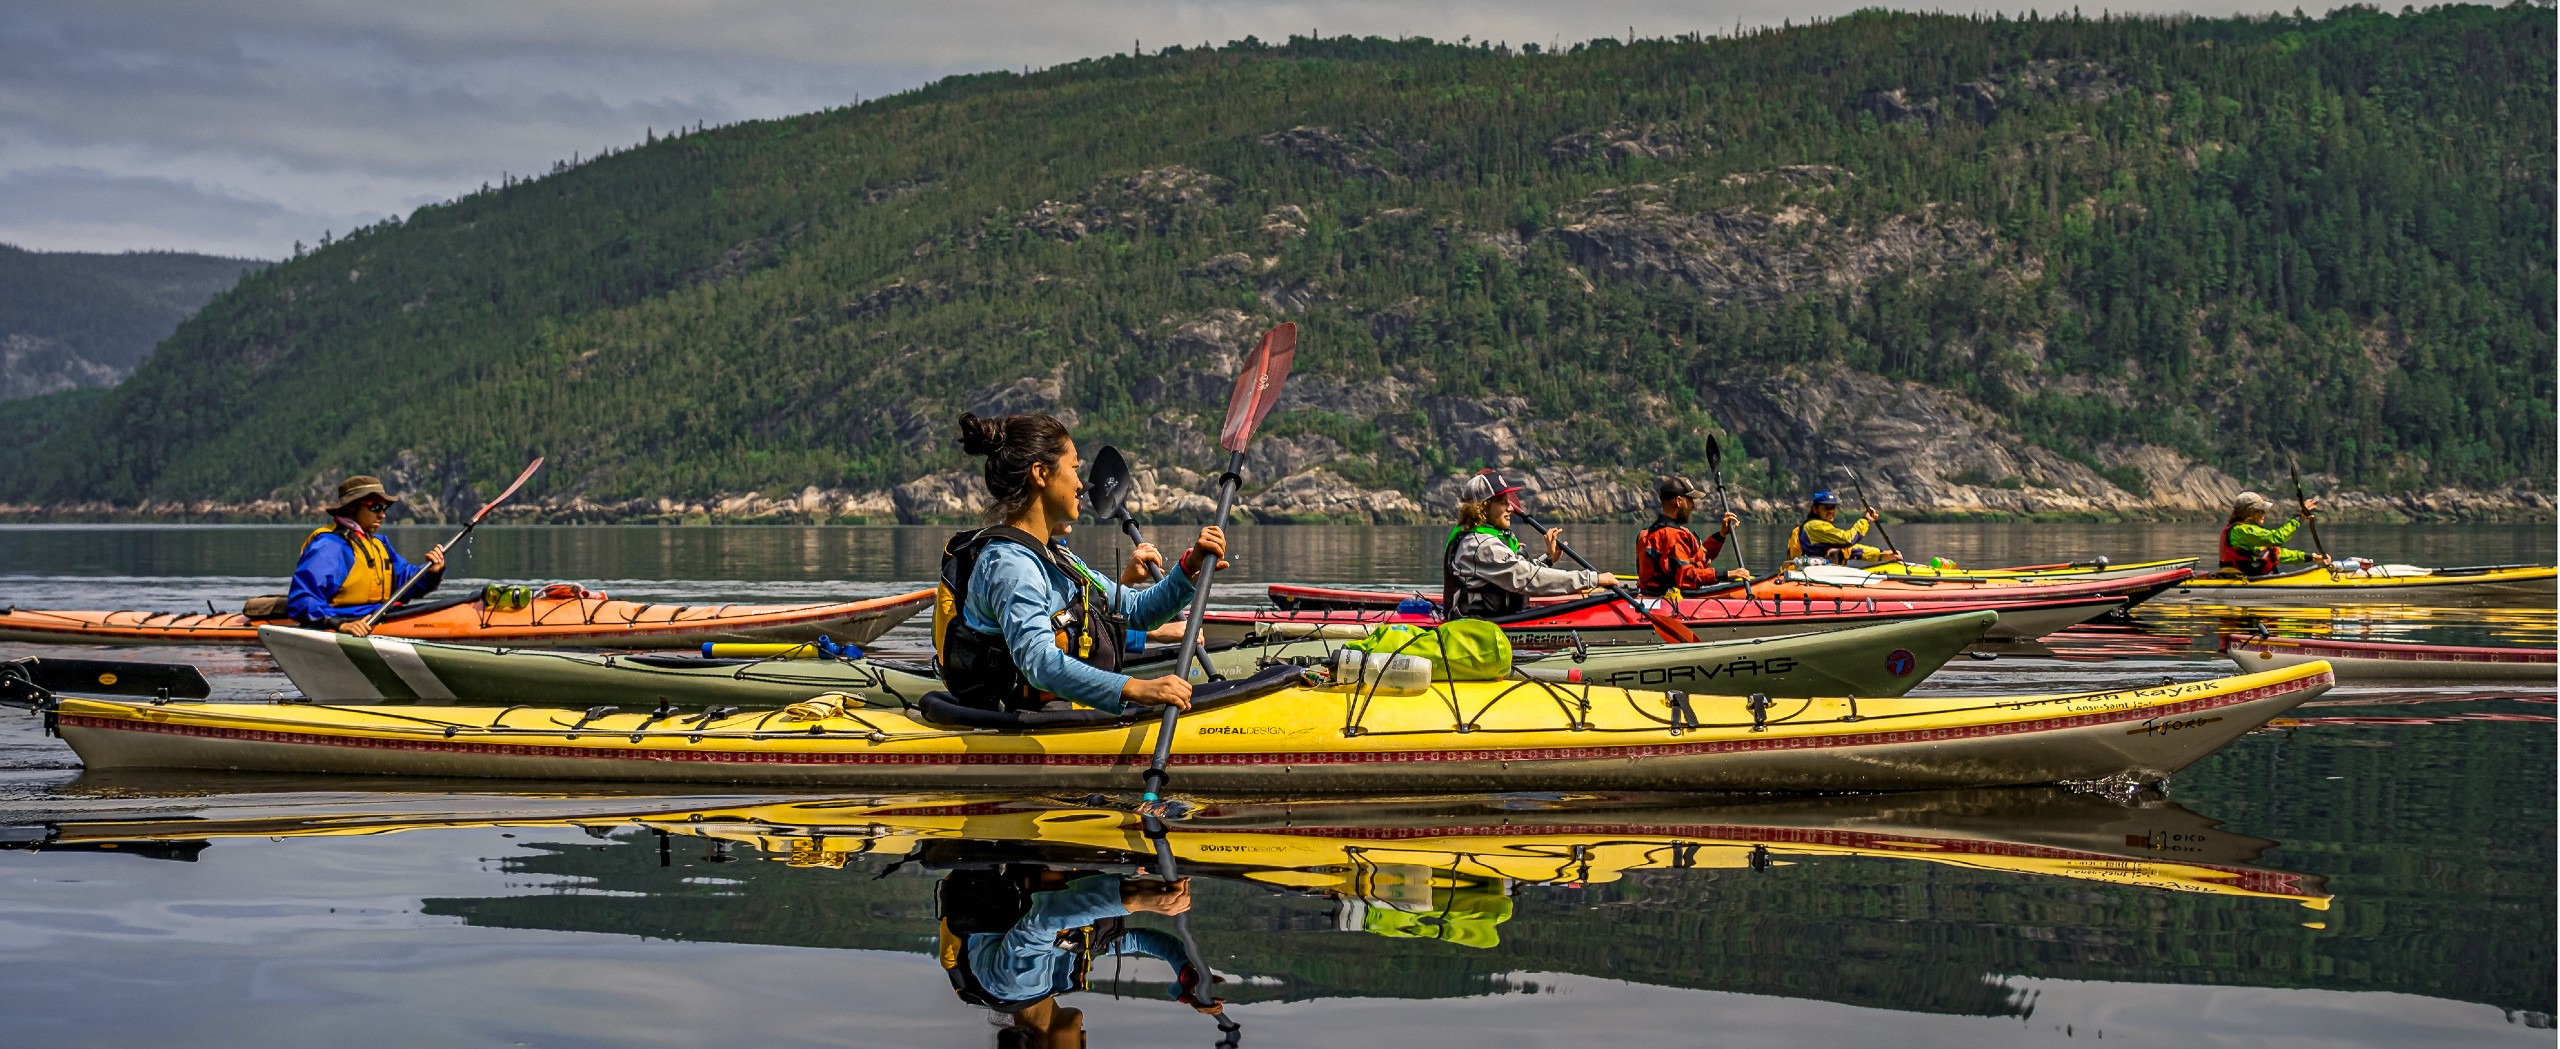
<point>366,627</point>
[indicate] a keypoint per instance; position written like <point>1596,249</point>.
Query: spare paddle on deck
<point>366,627</point>
<point>2304,502</point>
<point>1107,487</point>
<point>110,677</point>
<point>1715,466</point>
<point>1257,390</point>
<point>1670,629</point>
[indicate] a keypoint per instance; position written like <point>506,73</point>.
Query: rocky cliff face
<point>34,365</point>
<point>1920,450</point>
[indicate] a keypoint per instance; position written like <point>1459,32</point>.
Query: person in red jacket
<point>1671,557</point>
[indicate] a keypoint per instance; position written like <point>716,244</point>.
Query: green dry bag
<point>1459,650</point>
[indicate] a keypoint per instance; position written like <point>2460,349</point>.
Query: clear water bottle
<point>1392,675</point>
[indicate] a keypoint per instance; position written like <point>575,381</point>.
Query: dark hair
<point>1013,444</point>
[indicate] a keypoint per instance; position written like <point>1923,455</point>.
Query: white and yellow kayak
<point>2485,584</point>
<point>2082,571</point>
<point>1272,732</point>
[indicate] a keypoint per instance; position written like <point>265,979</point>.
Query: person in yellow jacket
<point>1820,535</point>
<point>346,569</point>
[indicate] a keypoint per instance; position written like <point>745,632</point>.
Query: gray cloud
<point>338,112</point>
<point>91,210</point>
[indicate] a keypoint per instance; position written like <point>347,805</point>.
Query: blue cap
<point>1825,498</point>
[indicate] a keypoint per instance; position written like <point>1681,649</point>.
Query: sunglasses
<point>375,505</point>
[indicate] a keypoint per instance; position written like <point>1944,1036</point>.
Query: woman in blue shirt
<point>1035,625</point>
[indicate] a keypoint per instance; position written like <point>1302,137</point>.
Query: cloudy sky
<point>240,126</point>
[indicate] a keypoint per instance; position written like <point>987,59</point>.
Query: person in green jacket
<point>2250,548</point>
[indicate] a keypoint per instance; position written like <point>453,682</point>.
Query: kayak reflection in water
<point>1016,936</point>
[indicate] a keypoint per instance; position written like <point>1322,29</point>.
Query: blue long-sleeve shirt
<point>322,570</point>
<point>1014,590</point>
<point>1026,961</point>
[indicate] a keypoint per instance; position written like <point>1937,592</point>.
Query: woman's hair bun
<point>980,435</point>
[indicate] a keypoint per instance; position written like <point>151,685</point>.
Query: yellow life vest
<point>370,577</point>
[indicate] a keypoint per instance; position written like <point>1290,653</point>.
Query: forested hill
<point>1999,264</point>
<point>76,320</point>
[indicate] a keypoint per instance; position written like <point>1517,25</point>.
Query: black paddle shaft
<point>1619,591</point>
<point>1861,482</point>
<point>2304,502</point>
<point>1136,539</point>
<point>1155,775</point>
<point>1724,506</point>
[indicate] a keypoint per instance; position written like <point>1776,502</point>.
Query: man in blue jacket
<point>347,570</point>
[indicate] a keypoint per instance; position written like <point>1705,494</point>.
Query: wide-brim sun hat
<point>357,488</point>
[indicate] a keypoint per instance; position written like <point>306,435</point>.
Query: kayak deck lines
<point>449,740</point>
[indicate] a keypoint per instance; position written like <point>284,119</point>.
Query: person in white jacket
<point>1483,571</point>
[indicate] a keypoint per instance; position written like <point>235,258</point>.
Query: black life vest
<point>978,668</point>
<point>1465,599</point>
<point>2263,562</point>
<point>978,900</point>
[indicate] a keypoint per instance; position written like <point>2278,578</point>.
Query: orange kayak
<point>562,621</point>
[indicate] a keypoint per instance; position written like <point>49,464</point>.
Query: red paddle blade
<point>1258,385</point>
<point>1671,629</point>
<point>521,478</point>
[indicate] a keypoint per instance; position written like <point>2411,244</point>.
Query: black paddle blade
<point>1106,485</point>
<point>1258,385</point>
<point>1715,454</point>
<point>114,677</point>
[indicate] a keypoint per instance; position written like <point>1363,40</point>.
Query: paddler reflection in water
<point>1021,623</point>
<point>1821,536</point>
<point>347,570</point>
<point>2250,548</point>
<point>1483,571</point>
<point>1017,936</point>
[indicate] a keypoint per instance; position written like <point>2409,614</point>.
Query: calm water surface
<point>2377,872</point>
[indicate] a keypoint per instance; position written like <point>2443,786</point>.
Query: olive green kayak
<point>1882,660</point>
<point>1887,659</point>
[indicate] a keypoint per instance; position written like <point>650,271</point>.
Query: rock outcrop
<point>1740,255</point>
<point>33,365</point>
<point>1322,495</point>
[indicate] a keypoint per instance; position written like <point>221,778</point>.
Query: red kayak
<point>1606,620</point>
<point>1819,584</point>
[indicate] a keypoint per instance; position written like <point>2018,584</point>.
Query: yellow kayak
<point>2075,571</point>
<point>2408,583</point>
<point>1269,732</point>
<point>1394,852</point>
